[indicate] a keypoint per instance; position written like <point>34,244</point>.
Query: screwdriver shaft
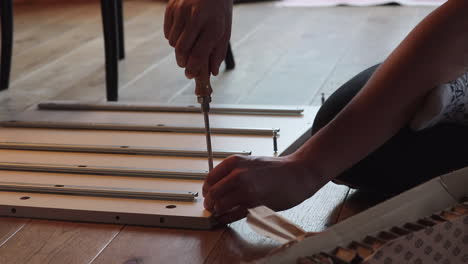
<point>208,141</point>
<point>203,91</point>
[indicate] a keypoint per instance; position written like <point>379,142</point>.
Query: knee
<point>332,106</point>
<point>325,114</point>
<point>340,98</point>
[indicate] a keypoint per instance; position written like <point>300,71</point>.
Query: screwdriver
<point>203,91</point>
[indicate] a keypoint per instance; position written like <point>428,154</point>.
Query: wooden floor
<point>285,56</point>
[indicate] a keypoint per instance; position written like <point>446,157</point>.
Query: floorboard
<point>381,31</point>
<point>9,227</point>
<point>155,245</point>
<point>41,241</point>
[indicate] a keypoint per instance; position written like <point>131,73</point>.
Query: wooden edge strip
<point>134,127</point>
<point>131,193</point>
<point>98,170</point>
<point>162,219</point>
<point>132,150</point>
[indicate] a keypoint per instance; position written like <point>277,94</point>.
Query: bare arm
<point>436,51</point>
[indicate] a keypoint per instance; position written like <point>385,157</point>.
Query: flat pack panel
<point>421,201</point>
<point>294,130</point>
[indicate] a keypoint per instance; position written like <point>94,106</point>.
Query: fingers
<point>222,170</point>
<point>225,185</point>
<point>180,33</point>
<point>177,25</point>
<point>232,216</point>
<point>230,200</point>
<point>194,28</point>
<point>185,43</point>
<point>168,19</point>
<point>217,57</point>
<point>220,51</point>
<point>199,55</point>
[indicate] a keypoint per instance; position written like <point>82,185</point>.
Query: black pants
<point>408,158</point>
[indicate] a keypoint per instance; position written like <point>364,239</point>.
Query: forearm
<point>435,52</point>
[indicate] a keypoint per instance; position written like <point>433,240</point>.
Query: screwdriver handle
<point>203,86</point>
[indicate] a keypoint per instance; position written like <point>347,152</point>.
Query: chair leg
<point>6,16</point>
<point>109,22</point>
<point>229,60</point>
<point>120,27</point>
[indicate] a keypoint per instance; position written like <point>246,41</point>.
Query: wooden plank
<point>163,128</point>
<point>72,68</point>
<point>140,139</point>
<point>301,64</point>
<point>240,243</point>
<point>74,32</point>
<point>292,129</point>
<point>57,242</point>
<point>9,227</point>
<point>105,210</point>
<point>153,245</point>
<point>24,13</point>
<point>96,169</point>
<point>145,47</point>
<point>86,190</point>
<point>51,20</point>
<point>109,149</point>
<point>382,30</point>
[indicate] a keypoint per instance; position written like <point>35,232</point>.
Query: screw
<point>275,141</point>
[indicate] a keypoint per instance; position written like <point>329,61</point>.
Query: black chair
<point>112,22</point>
<point>114,44</point>
<point>6,13</point>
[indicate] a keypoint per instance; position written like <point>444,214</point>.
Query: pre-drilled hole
<point>117,217</point>
<point>124,146</point>
<point>59,185</point>
<point>159,125</point>
<point>25,198</point>
<point>13,210</point>
<point>161,220</point>
<point>171,206</point>
<point>82,166</point>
